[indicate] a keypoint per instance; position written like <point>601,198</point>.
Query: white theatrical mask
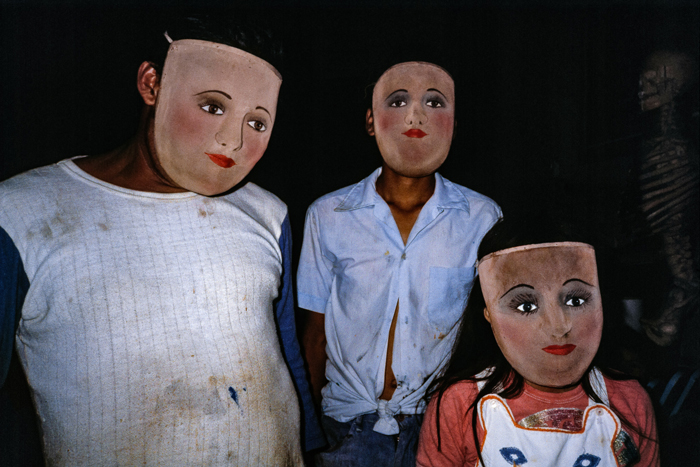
<point>215,110</point>
<point>544,305</point>
<point>412,118</point>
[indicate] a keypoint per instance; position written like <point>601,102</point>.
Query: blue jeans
<point>356,444</point>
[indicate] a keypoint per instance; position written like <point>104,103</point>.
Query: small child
<point>524,385</point>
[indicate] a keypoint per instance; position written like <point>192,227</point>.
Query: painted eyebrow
<point>214,90</point>
<point>577,280</point>
<point>398,90</point>
<point>429,89</point>
<point>438,91</point>
<point>515,287</point>
<point>264,109</point>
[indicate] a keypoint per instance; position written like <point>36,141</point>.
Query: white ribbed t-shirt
<point>148,334</point>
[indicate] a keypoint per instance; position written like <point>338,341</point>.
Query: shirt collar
<point>364,194</point>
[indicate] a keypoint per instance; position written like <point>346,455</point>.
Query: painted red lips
<point>415,133</point>
<point>221,160</point>
<point>560,349</point>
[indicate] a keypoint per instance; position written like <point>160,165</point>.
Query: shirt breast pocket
<point>447,296</point>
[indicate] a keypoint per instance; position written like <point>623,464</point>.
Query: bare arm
<point>314,342</point>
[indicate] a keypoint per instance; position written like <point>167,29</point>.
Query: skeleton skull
<point>665,76</point>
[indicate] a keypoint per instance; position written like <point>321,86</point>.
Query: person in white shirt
<point>147,290</point>
<point>385,271</point>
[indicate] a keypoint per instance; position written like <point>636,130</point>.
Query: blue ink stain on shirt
<point>234,395</point>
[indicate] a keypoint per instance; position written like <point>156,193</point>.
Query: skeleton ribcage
<point>669,200</point>
<point>668,184</point>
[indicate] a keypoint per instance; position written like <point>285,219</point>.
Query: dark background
<point>547,109</point>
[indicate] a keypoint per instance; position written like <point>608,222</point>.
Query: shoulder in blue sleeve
<point>284,310</point>
<point>13,288</point>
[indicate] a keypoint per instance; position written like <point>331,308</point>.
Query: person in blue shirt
<point>385,271</point>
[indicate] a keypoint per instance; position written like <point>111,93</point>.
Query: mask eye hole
<point>212,109</point>
<point>513,456</point>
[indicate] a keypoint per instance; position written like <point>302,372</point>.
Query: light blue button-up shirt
<point>354,267</point>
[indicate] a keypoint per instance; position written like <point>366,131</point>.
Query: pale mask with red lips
<point>544,305</point>
<point>412,117</point>
<point>214,114</point>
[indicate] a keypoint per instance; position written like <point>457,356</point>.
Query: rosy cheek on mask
<point>387,120</point>
<point>190,124</point>
<point>513,333</point>
<point>591,327</point>
<point>255,150</point>
<point>443,124</point>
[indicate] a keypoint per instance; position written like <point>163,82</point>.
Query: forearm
<point>314,348</point>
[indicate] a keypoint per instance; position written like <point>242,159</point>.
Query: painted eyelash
<point>253,121</point>
<point>521,299</point>
<point>437,100</point>
<point>582,294</point>
<point>210,102</point>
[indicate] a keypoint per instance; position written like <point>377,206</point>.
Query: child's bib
<point>506,443</point>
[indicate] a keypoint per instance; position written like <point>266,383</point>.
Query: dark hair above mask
<point>235,29</point>
<point>528,229</point>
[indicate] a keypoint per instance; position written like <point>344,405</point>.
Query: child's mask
<point>214,114</point>
<point>543,302</point>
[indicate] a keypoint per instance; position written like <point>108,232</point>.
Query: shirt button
<point>403,256</point>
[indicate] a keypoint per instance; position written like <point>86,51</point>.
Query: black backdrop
<point>547,113</point>
<point>546,92</point>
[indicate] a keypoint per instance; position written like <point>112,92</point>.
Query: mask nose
<point>230,136</point>
<point>416,115</point>
<point>558,322</point>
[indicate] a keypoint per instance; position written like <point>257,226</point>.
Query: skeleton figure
<point>668,181</point>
